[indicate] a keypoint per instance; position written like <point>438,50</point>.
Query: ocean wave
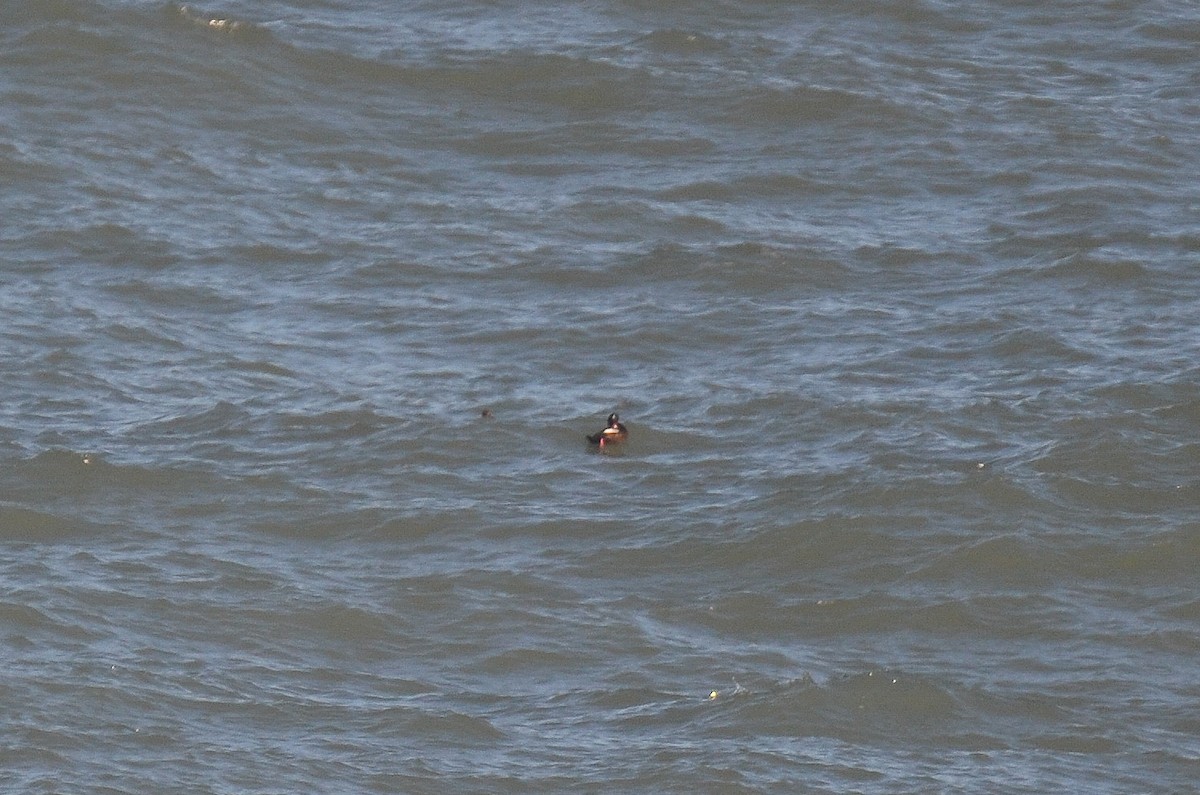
<point>27,525</point>
<point>208,21</point>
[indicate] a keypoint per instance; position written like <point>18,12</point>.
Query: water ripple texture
<point>306,309</point>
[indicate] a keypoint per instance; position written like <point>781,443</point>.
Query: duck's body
<point>612,434</point>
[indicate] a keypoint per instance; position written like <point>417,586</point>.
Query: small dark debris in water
<point>487,414</point>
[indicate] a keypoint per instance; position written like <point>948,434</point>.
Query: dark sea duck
<point>615,432</point>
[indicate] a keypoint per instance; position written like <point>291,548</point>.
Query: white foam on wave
<point>211,22</point>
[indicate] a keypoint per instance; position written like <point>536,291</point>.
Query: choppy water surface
<point>897,299</point>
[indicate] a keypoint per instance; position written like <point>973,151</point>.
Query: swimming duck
<point>615,432</point>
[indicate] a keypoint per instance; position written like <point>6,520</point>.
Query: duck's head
<point>613,420</point>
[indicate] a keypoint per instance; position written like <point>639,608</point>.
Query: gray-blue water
<point>897,299</point>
